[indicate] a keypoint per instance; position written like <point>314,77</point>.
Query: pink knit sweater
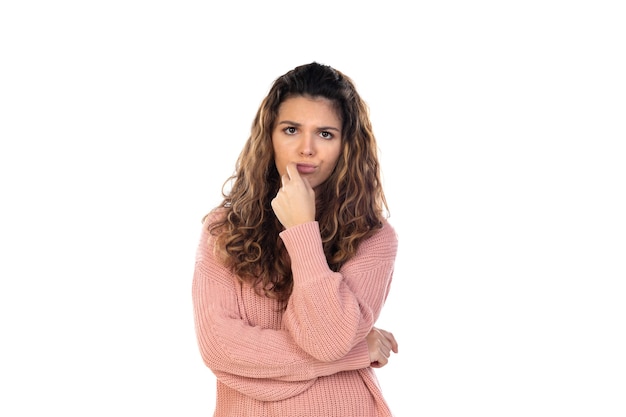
<point>310,359</point>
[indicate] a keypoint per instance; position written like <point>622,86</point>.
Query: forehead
<point>310,108</point>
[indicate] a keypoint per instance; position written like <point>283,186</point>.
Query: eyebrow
<point>292,123</point>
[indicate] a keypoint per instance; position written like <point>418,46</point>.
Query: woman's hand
<point>295,202</point>
<point>380,344</point>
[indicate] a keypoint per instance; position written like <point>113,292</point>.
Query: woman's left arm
<point>329,312</point>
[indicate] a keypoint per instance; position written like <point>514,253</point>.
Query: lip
<point>306,168</point>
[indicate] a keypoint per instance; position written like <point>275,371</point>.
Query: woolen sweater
<point>310,359</point>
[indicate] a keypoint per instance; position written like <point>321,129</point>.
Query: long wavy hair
<point>350,204</point>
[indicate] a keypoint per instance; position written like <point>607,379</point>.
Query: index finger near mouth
<point>292,170</point>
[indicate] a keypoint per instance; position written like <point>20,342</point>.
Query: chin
<point>316,185</point>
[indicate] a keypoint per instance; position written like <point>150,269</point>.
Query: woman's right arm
<point>228,344</point>
<point>232,348</point>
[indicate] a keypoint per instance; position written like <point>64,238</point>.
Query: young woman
<point>294,266</point>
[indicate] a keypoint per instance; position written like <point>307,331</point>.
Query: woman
<point>294,266</point>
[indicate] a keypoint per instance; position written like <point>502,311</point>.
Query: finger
<point>390,340</point>
<point>383,339</point>
<point>292,171</point>
<point>386,350</point>
<point>394,343</point>
<point>287,169</point>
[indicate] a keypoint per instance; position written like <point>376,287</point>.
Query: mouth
<point>306,168</point>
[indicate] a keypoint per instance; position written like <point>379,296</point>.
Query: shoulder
<point>207,240</point>
<point>387,233</point>
<point>213,216</point>
<point>388,230</point>
<point>383,243</point>
<point>377,251</point>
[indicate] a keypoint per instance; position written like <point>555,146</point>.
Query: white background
<point>501,128</point>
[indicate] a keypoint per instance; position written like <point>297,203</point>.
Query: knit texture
<point>310,359</point>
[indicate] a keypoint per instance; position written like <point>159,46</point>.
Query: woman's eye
<point>290,130</point>
<point>326,135</point>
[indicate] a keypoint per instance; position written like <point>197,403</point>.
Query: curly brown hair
<point>350,204</point>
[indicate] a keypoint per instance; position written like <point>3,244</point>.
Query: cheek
<point>332,164</point>
<point>336,155</point>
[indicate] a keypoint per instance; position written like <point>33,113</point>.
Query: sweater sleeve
<point>329,313</point>
<point>248,357</point>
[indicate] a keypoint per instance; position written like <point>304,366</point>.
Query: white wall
<point>501,130</point>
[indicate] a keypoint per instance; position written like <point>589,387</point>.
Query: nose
<point>307,145</point>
